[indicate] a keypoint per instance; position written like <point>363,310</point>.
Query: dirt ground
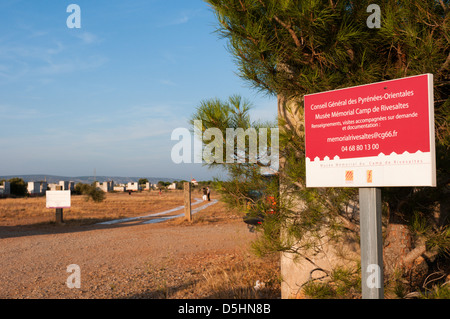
<point>209,258</point>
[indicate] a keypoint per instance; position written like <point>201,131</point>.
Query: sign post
<point>58,200</point>
<point>59,216</point>
<point>372,136</point>
<point>371,243</point>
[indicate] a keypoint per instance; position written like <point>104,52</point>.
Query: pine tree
<point>290,48</point>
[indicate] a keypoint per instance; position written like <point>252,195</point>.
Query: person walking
<point>204,193</point>
<point>208,193</point>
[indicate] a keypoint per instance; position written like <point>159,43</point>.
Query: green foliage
<point>142,181</point>
<point>81,189</point>
<point>96,194</point>
<point>91,192</point>
<point>342,283</point>
<point>180,184</point>
<point>18,187</point>
<point>400,289</point>
<point>346,281</point>
<point>162,184</point>
<point>304,46</point>
<point>319,290</point>
<point>247,190</point>
<point>419,224</point>
<point>440,240</point>
<point>438,292</point>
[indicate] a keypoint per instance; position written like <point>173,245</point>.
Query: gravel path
<point>167,214</point>
<point>116,261</point>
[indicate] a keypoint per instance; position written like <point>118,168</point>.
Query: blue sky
<point>107,96</point>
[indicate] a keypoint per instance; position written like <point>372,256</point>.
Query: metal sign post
<point>372,278</point>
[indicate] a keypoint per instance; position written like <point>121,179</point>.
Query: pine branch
<point>446,64</point>
<point>443,5</point>
<point>414,254</point>
<point>290,30</point>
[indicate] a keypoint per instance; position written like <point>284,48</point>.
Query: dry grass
<point>32,210</point>
<point>243,277</point>
<point>238,275</point>
<point>213,214</point>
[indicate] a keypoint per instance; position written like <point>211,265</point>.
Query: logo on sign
<point>369,176</point>
<point>349,176</point>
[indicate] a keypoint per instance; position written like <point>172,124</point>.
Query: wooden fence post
<point>59,216</point>
<point>187,201</point>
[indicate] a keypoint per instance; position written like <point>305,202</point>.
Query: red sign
<point>390,118</point>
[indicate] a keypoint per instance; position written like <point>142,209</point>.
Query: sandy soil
<point>172,259</point>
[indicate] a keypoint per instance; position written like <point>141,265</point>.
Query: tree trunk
<point>397,243</point>
<point>400,253</point>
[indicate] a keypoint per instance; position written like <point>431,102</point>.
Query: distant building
<point>61,186</point>
<point>64,184</point>
<point>133,186</point>
<point>5,188</point>
<point>43,187</point>
<point>105,186</point>
<point>67,185</point>
<point>37,188</point>
<point>54,187</point>
<point>120,188</point>
<point>33,187</point>
<point>172,186</point>
<point>194,182</point>
<point>149,186</point>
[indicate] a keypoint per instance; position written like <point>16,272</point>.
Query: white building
<point>194,182</point>
<point>43,187</point>
<point>5,188</point>
<point>120,188</point>
<point>105,186</point>
<point>62,186</point>
<point>54,186</point>
<point>37,188</point>
<point>67,185</point>
<point>133,186</point>
<point>172,186</point>
<point>149,186</point>
<point>34,187</point>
